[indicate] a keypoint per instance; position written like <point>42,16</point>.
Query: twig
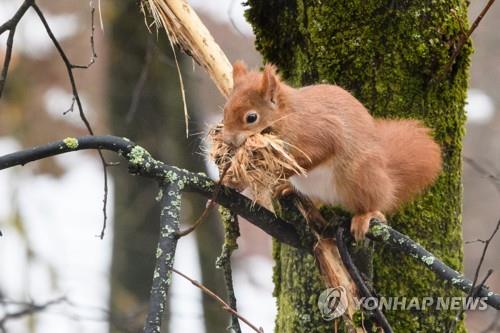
<point>69,68</point>
<point>93,56</point>
<point>67,63</point>
<point>473,290</point>
<point>29,308</point>
<point>11,26</point>
<point>208,207</point>
<point>225,306</point>
<point>231,234</point>
<point>463,39</point>
<point>483,255</point>
<point>165,254</point>
<point>358,280</point>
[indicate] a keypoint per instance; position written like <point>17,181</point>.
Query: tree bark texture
<point>388,54</point>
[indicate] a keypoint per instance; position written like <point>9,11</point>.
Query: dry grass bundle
<point>262,163</point>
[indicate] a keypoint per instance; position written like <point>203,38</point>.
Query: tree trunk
<point>158,125</point>
<point>388,54</point>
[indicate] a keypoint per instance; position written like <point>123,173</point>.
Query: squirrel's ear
<point>239,70</point>
<point>270,84</point>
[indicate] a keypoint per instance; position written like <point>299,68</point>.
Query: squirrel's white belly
<point>318,184</point>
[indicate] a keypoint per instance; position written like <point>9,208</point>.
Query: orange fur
<point>370,165</point>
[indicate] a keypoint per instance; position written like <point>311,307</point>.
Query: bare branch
<point>28,309</point>
<point>165,254</point>
<point>69,68</point>
<point>93,55</point>
<point>225,306</point>
<point>67,63</point>
<point>463,39</point>
<point>10,26</point>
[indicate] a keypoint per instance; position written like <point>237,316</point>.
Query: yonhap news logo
<point>333,303</point>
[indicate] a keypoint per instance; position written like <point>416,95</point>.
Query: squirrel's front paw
<point>283,190</point>
<point>361,222</point>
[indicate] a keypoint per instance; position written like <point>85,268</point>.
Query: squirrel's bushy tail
<point>414,158</point>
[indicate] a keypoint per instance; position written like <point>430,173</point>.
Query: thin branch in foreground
<point>225,306</point>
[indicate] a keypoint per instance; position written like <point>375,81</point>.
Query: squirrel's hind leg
<point>361,222</point>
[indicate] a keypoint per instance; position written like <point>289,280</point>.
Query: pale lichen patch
<point>71,143</point>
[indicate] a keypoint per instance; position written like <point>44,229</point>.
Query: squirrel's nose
<point>235,140</point>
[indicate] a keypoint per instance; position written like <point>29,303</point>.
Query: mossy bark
<point>388,54</point>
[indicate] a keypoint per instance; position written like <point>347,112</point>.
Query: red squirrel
<point>368,166</point>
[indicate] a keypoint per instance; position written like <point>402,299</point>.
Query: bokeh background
<point>50,211</point>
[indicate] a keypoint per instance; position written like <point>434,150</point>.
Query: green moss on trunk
<point>385,53</point>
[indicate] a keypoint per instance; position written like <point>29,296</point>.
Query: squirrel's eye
<point>251,117</point>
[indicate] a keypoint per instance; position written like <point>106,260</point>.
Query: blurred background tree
<point>146,106</point>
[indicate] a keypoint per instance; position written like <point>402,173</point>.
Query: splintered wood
<point>185,29</point>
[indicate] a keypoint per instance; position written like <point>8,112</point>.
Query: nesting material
<point>261,164</point>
